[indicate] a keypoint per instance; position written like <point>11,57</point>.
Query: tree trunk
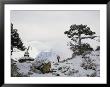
<point>11,50</point>
<point>79,43</point>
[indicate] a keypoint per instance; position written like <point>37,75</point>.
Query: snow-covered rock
<point>24,67</point>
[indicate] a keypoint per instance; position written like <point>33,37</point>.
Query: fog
<point>48,27</point>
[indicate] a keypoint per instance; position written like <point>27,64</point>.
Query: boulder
<point>45,68</point>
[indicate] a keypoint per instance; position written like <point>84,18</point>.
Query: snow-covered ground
<point>69,67</point>
<point>78,66</point>
<point>73,67</point>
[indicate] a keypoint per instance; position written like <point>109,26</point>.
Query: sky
<point>50,25</point>
<point>44,30</point>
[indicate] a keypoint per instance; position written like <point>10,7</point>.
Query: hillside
<point>79,66</point>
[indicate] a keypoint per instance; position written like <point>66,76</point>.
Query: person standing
<point>58,58</point>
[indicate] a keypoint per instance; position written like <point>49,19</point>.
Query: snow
<point>69,67</point>
<point>23,67</point>
<point>17,55</point>
<point>75,64</point>
<point>44,52</point>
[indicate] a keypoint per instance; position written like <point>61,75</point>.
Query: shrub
<point>98,48</point>
<point>24,60</point>
<point>88,64</point>
<point>92,75</point>
<point>79,50</point>
<point>15,70</point>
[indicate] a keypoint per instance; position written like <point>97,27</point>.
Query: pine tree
<point>16,41</point>
<point>79,32</point>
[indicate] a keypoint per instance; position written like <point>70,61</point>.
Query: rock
<point>58,75</point>
<point>25,59</point>
<point>59,68</point>
<point>45,68</point>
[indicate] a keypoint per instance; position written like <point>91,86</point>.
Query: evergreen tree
<point>16,41</point>
<point>77,33</point>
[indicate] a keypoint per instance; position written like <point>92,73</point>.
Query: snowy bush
<point>79,50</point>
<point>98,48</point>
<point>88,64</point>
<point>71,72</point>
<point>64,69</point>
<point>92,75</point>
<point>15,70</point>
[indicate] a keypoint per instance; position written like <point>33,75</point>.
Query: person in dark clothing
<point>58,58</point>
